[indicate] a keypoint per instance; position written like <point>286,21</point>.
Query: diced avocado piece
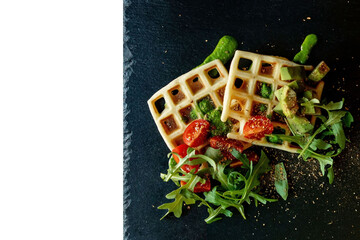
<point>297,85</point>
<point>294,85</point>
<point>278,93</point>
<point>278,109</point>
<point>319,72</point>
<point>288,101</point>
<point>300,125</point>
<point>292,73</point>
<point>308,94</point>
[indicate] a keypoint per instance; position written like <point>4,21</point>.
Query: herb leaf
<point>347,119</point>
<point>281,182</point>
<point>339,134</point>
<point>213,153</point>
<point>242,157</point>
<point>330,174</point>
<point>319,144</point>
<point>176,206</point>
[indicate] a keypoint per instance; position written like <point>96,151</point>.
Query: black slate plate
<point>164,39</point>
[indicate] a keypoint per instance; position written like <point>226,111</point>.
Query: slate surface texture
<point>164,39</point>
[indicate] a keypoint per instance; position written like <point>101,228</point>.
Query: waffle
<point>180,97</point>
<point>242,97</point>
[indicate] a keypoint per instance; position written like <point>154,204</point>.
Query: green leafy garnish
<point>281,182</point>
<point>275,139</point>
<point>347,119</point>
<point>330,174</point>
<point>234,189</point>
<point>242,157</point>
<point>263,107</point>
<point>206,106</point>
<point>306,46</point>
<point>265,90</point>
<point>314,145</point>
<point>219,128</point>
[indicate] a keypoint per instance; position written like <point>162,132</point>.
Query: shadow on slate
<point>164,39</point>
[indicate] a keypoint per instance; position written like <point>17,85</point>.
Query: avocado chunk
<point>278,109</point>
<point>278,93</point>
<point>319,72</point>
<point>292,73</point>
<point>288,101</point>
<point>300,125</point>
<point>297,85</point>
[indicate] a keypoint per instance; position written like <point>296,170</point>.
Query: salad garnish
<point>233,188</point>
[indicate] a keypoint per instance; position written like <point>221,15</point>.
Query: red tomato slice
<point>225,145</point>
<point>257,126</point>
<point>206,187</point>
<point>196,133</point>
<point>182,151</point>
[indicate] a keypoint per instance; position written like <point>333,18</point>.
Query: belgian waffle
<point>171,105</point>
<point>242,99</point>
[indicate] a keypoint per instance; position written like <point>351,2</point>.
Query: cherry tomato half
<point>182,151</point>
<point>196,133</point>
<point>206,187</point>
<point>225,145</point>
<point>257,126</point>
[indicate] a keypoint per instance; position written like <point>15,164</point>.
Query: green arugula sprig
<point>235,196</point>
<point>314,146</point>
<point>233,190</point>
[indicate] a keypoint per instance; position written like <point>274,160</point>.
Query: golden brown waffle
<point>242,97</point>
<point>180,97</point>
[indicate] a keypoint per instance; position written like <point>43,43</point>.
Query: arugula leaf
<point>347,119</point>
<point>234,189</point>
<point>215,198</point>
<point>334,117</point>
<point>199,158</point>
<point>213,213</point>
<point>339,134</point>
<point>301,141</point>
<point>260,168</point>
<point>235,180</point>
<point>242,157</point>
<point>220,175</point>
<point>323,161</point>
<point>334,106</point>
<point>213,153</point>
<point>176,206</point>
<point>173,169</point>
<point>319,144</point>
<point>330,174</point>
<point>309,105</point>
<point>281,182</point>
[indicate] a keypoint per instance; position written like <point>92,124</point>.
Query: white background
<point>60,119</point>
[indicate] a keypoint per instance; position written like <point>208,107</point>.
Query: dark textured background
<point>164,39</point>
